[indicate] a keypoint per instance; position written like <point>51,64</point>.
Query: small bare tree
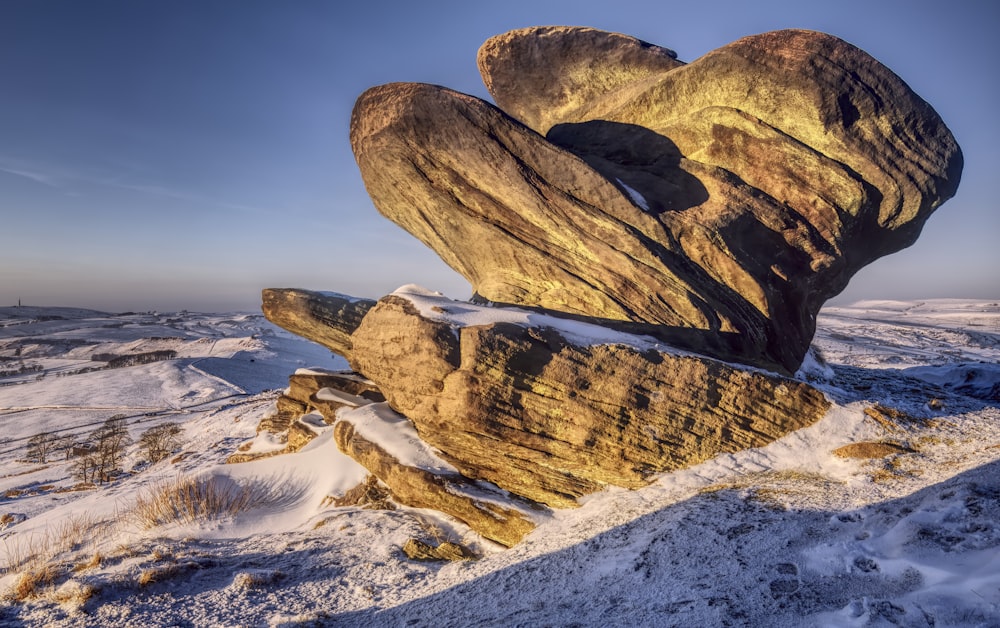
<point>63,445</point>
<point>109,442</point>
<point>85,466</point>
<point>160,441</point>
<point>40,446</point>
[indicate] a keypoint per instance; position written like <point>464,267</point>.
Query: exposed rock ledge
<point>492,513</point>
<point>551,409</point>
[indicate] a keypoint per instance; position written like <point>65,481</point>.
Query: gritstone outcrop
<point>649,242</point>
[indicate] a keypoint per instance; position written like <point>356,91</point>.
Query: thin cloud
<point>49,175</point>
<point>60,179</point>
<point>183,195</point>
<point>44,178</point>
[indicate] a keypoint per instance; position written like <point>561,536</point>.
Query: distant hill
<point>51,313</point>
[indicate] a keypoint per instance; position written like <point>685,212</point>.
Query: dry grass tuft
<point>94,562</point>
<point>74,532</point>
<point>894,420</point>
<point>871,450</point>
<point>774,489</point>
<point>30,582</point>
<point>32,552</point>
<point>188,500</point>
<point>124,550</point>
<point>777,477</point>
<point>369,494</point>
<point>80,486</point>
<point>894,468</point>
<point>72,595</point>
<point>36,558</point>
<point>256,578</point>
<point>435,531</point>
<point>10,518</point>
<point>416,549</point>
<point>157,574</point>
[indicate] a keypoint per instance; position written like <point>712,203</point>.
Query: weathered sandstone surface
<point>310,392</point>
<point>487,510</point>
<point>326,318</point>
<point>529,410</point>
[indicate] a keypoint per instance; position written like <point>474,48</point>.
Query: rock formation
<point>649,242</point>
<point>543,416</point>
<point>309,392</point>
<point>326,318</point>
<point>488,511</point>
<point>722,201</point>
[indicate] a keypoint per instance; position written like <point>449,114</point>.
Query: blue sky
<point>187,153</point>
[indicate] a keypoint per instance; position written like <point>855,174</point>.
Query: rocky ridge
<point>649,242</point>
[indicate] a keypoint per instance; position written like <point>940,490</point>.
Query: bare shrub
<point>40,446</point>
<point>105,451</point>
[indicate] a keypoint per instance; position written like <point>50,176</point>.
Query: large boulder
<point>552,409</point>
<point>721,201</point>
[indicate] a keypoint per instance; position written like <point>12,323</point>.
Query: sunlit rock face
<point>533,412</point>
<point>720,202</point>
<point>660,221</point>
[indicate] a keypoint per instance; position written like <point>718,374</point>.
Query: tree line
<point>21,370</point>
<point>98,459</point>
<point>115,361</point>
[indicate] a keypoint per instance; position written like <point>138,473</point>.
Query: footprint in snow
<point>865,564</point>
<point>788,581</point>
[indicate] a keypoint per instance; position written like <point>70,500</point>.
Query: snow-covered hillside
<point>786,535</point>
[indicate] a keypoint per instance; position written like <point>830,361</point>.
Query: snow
<point>435,306</point>
<point>345,297</point>
<point>784,535</point>
<point>633,194</point>
<point>378,423</point>
<point>339,396</point>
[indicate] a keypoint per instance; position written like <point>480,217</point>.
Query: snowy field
<point>785,535</point>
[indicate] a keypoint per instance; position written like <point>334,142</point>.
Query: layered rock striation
<point>553,410</point>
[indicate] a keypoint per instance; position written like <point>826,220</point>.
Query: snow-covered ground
<point>785,535</point>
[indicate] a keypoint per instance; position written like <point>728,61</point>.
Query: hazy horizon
<point>185,155</point>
